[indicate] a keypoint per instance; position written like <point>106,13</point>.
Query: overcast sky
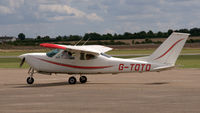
<point>77,17</point>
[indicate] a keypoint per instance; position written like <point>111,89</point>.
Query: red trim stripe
<point>169,49</point>
<point>73,66</point>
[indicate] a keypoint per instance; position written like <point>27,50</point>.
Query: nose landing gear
<point>30,79</point>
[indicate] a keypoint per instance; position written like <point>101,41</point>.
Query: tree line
<point>108,36</point>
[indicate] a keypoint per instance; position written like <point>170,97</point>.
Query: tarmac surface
<point>172,91</point>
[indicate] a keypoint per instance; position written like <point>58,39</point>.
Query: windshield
<point>103,54</point>
<point>53,52</point>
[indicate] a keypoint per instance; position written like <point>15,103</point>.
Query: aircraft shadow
<point>45,85</point>
<point>154,83</point>
<point>157,83</point>
<point>88,83</point>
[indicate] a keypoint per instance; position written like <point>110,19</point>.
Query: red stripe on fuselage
<point>72,66</point>
<point>169,49</point>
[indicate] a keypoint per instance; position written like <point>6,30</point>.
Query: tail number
<point>135,67</point>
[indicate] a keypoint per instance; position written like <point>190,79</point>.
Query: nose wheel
<point>30,80</point>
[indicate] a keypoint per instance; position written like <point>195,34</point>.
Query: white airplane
<point>91,59</point>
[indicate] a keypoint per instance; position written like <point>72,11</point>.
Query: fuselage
<point>100,64</point>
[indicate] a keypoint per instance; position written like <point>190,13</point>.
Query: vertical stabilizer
<point>170,49</point>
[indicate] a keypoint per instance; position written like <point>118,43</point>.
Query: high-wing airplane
<point>91,59</point>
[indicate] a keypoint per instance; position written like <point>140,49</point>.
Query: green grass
<point>190,51</point>
<point>189,61</point>
<point>11,63</point>
<point>184,61</point>
<point>12,53</point>
<point>17,53</point>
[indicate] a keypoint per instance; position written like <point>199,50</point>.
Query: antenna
<point>79,41</point>
<point>86,41</point>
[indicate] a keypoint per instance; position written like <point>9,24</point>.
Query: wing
<point>97,49</point>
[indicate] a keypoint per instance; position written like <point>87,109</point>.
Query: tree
<point>21,36</point>
<point>195,31</point>
<point>128,35</point>
<point>159,34</point>
<point>150,34</point>
<point>59,38</point>
<point>38,37</point>
<point>46,38</point>
<point>141,34</point>
<point>92,36</point>
<point>169,32</point>
<point>184,30</point>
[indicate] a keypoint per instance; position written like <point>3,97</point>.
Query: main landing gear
<point>30,79</point>
<point>82,79</point>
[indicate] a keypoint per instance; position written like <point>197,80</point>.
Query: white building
<point>7,39</point>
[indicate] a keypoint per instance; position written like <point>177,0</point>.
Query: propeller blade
<point>22,62</point>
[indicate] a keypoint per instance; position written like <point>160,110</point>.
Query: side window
<point>84,56</point>
<point>90,57</point>
<point>67,55</point>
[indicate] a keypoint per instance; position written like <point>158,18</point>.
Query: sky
<point>77,17</point>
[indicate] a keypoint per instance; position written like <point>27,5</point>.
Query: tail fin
<point>170,49</point>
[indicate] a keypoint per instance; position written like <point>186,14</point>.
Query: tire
<point>72,80</point>
<point>30,80</point>
<point>83,79</point>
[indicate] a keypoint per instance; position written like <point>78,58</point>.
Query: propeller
<point>22,62</point>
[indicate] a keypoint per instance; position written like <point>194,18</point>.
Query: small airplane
<point>91,59</point>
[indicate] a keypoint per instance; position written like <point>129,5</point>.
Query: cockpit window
<point>53,52</point>
<point>108,56</point>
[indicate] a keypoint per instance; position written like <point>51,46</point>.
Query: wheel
<point>72,80</point>
<point>83,79</point>
<point>30,80</point>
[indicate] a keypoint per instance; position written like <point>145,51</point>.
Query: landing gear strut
<point>30,79</point>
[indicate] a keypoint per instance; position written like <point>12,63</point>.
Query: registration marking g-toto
<point>135,67</point>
